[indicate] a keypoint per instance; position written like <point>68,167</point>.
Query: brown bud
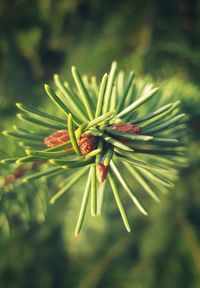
<point>57,138</point>
<point>126,128</point>
<point>9,179</point>
<point>102,172</point>
<point>87,143</point>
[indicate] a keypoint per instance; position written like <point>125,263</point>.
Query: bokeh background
<point>159,40</point>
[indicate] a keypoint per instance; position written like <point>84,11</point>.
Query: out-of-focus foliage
<point>158,38</point>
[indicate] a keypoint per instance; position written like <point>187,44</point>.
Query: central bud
<point>87,143</point>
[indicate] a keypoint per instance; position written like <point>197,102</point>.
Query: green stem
<point>119,203</point>
<point>72,135</point>
<point>93,190</point>
<point>42,174</point>
<point>117,143</point>
<point>141,181</point>
<point>101,95</point>
<point>83,205</point>
<point>127,189</point>
<point>36,112</point>
<point>76,176</point>
<point>126,90</point>
<point>138,102</point>
<point>83,92</point>
<point>111,79</point>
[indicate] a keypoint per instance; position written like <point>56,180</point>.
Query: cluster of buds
<point>88,143</point>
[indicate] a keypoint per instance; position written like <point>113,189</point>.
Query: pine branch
<point>94,136</point>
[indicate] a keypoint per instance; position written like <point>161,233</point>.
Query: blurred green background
<point>159,40</point>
